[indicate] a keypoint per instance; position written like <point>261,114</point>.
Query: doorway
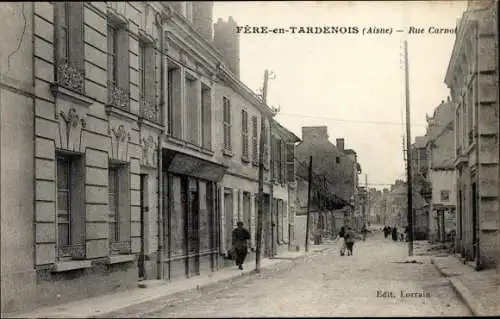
<point>193,229</point>
<point>144,210</point>
<point>475,239</point>
<point>228,216</point>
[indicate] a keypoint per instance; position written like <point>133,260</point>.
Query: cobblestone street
<point>324,284</point>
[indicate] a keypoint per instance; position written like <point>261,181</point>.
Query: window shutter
<point>123,59</point>
<point>290,162</point>
<point>76,54</point>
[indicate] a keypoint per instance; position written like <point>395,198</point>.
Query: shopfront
<point>190,215</point>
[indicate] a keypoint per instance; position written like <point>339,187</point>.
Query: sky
<point>351,83</point>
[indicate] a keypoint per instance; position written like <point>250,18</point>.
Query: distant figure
<point>387,230</point>
<point>364,231</point>
<point>394,233</point>
<point>407,230</point>
<point>341,232</point>
<point>349,241</point>
<point>240,237</point>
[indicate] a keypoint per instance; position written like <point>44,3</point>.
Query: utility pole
<point>309,185</point>
<point>408,156</point>
<point>260,212</point>
<point>365,202</point>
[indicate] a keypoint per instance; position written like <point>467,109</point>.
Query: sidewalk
<point>102,306</point>
<point>478,289</point>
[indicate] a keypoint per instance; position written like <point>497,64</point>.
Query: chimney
<point>448,99</point>
<point>340,144</point>
<point>227,42</point>
<point>202,18</point>
<point>314,133</point>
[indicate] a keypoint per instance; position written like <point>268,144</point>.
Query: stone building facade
<point>130,126</point>
<point>472,77</point>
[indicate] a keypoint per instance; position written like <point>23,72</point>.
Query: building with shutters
<point>472,77</point>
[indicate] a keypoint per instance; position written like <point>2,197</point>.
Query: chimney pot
<point>340,144</point>
<point>442,101</point>
<point>227,42</point>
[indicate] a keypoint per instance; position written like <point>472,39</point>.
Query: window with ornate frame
<point>70,206</point>
<point>118,61</point>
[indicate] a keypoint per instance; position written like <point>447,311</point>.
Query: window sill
<point>245,159</point>
<point>71,265</point>
<point>175,140</point>
<point>125,114</point>
<point>60,91</point>
<point>227,153</point>
<point>207,151</point>
<point>119,259</point>
<point>144,121</point>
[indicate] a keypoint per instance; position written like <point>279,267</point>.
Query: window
<point>112,59</point>
<point>69,45</point>
<point>118,63</point>
<point>114,215</point>
<point>337,159</point>
<point>119,208</point>
<point>445,195</point>
<point>266,155</point>
<point>64,202</point>
<point>255,148</point>
<point>70,206</point>
<point>244,134</point>
<point>174,125</point>
<point>290,162</point>
<point>470,115</point>
<point>206,117</point>
<point>192,110</point>
<point>227,123</point>
<point>142,70</point>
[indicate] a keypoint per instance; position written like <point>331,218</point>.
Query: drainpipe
<point>160,23</point>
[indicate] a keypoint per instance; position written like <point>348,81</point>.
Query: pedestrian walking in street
<point>349,241</point>
<point>240,246</point>
<point>386,231</point>
<point>407,229</point>
<point>364,231</point>
<point>394,233</point>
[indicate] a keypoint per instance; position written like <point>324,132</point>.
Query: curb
<point>462,291</point>
<point>167,294</point>
<point>472,303</point>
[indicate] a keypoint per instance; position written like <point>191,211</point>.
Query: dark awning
<point>183,164</point>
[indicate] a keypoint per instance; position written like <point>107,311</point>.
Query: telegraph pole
<point>408,156</point>
<point>308,202</point>
<point>365,202</point>
<point>260,212</point>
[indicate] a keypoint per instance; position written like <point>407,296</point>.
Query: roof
<point>443,115</point>
<point>291,137</point>
<point>421,141</point>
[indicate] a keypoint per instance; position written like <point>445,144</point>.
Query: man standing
<point>240,237</point>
